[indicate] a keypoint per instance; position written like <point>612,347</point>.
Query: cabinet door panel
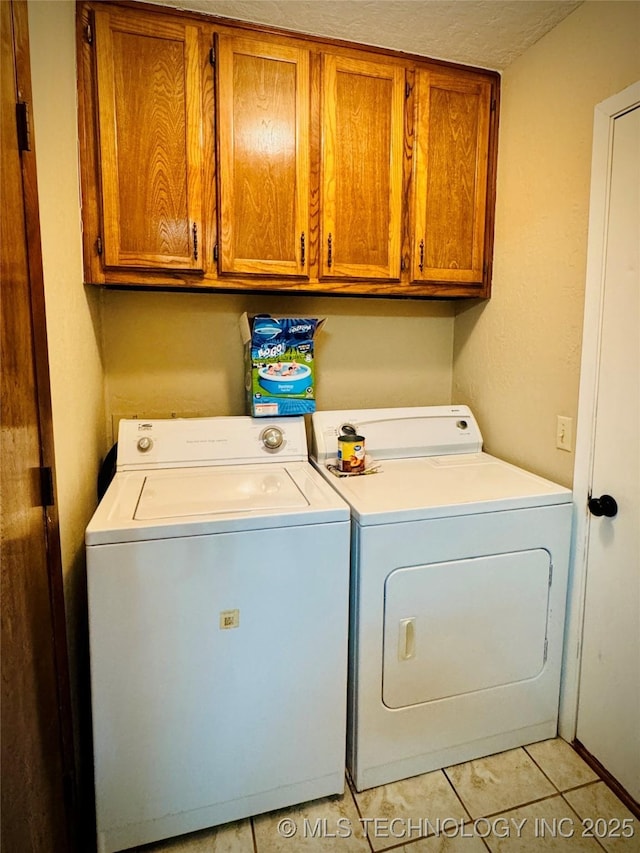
<point>149,94</point>
<point>263,132</point>
<point>450,177</point>
<point>362,168</point>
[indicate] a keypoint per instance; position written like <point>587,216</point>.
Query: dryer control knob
<point>272,438</point>
<point>144,444</point>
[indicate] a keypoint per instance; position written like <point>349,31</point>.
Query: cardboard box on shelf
<point>280,368</point>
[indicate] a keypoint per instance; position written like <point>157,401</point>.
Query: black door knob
<point>605,505</point>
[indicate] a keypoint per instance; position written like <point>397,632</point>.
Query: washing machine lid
<point>176,494</point>
<point>180,502</point>
<point>440,486</point>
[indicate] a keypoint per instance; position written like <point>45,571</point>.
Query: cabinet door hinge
<point>99,245</point>
<point>23,124</point>
<point>88,33</point>
<point>215,252</point>
<point>493,105</point>
<point>407,89</point>
<point>212,56</point>
<point>46,486</point>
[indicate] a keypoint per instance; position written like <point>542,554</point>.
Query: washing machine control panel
<point>188,442</point>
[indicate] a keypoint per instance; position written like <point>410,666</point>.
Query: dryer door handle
<point>407,639</point>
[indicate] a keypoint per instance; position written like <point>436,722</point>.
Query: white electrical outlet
<point>564,433</point>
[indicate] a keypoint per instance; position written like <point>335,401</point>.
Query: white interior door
<point>608,716</point>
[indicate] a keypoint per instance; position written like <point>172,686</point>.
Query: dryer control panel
<point>399,433</point>
<point>193,442</point>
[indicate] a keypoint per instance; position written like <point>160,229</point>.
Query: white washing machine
<point>218,586</point>
<point>459,576</point>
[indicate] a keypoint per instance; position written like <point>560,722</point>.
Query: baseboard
<point>621,793</point>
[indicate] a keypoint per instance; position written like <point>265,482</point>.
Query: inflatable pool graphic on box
<point>279,364</point>
<point>286,377</point>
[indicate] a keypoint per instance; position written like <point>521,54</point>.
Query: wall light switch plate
<point>564,433</point>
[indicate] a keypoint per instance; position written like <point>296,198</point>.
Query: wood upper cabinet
<point>362,168</point>
<point>279,162</point>
<point>149,117</point>
<point>450,172</point>
<point>263,157</point>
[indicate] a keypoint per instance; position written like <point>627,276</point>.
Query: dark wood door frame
<point>38,776</point>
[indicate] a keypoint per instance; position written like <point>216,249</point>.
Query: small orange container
<point>351,454</point>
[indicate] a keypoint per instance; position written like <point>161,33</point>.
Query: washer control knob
<point>145,444</point>
<point>272,438</point>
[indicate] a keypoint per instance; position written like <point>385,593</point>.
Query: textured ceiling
<point>485,33</point>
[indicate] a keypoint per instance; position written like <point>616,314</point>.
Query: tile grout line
<point>352,791</point>
<point>518,806</point>
<point>595,838</point>
<point>584,785</point>
<point>459,796</point>
<point>253,835</point>
<point>563,792</point>
<point>540,768</point>
<point>571,788</point>
<point>577,787</point>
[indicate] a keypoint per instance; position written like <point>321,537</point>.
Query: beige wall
<point>517,357</point>
<point>182,353</point>
<point>72,310</point>
<point>72,316</point>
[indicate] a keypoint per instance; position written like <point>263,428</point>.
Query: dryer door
<point>466,625</point>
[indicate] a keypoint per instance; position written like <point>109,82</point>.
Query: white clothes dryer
<point>459,577</point>
<point>218,584</point>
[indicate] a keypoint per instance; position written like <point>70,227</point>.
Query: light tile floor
<point>540,797</point>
